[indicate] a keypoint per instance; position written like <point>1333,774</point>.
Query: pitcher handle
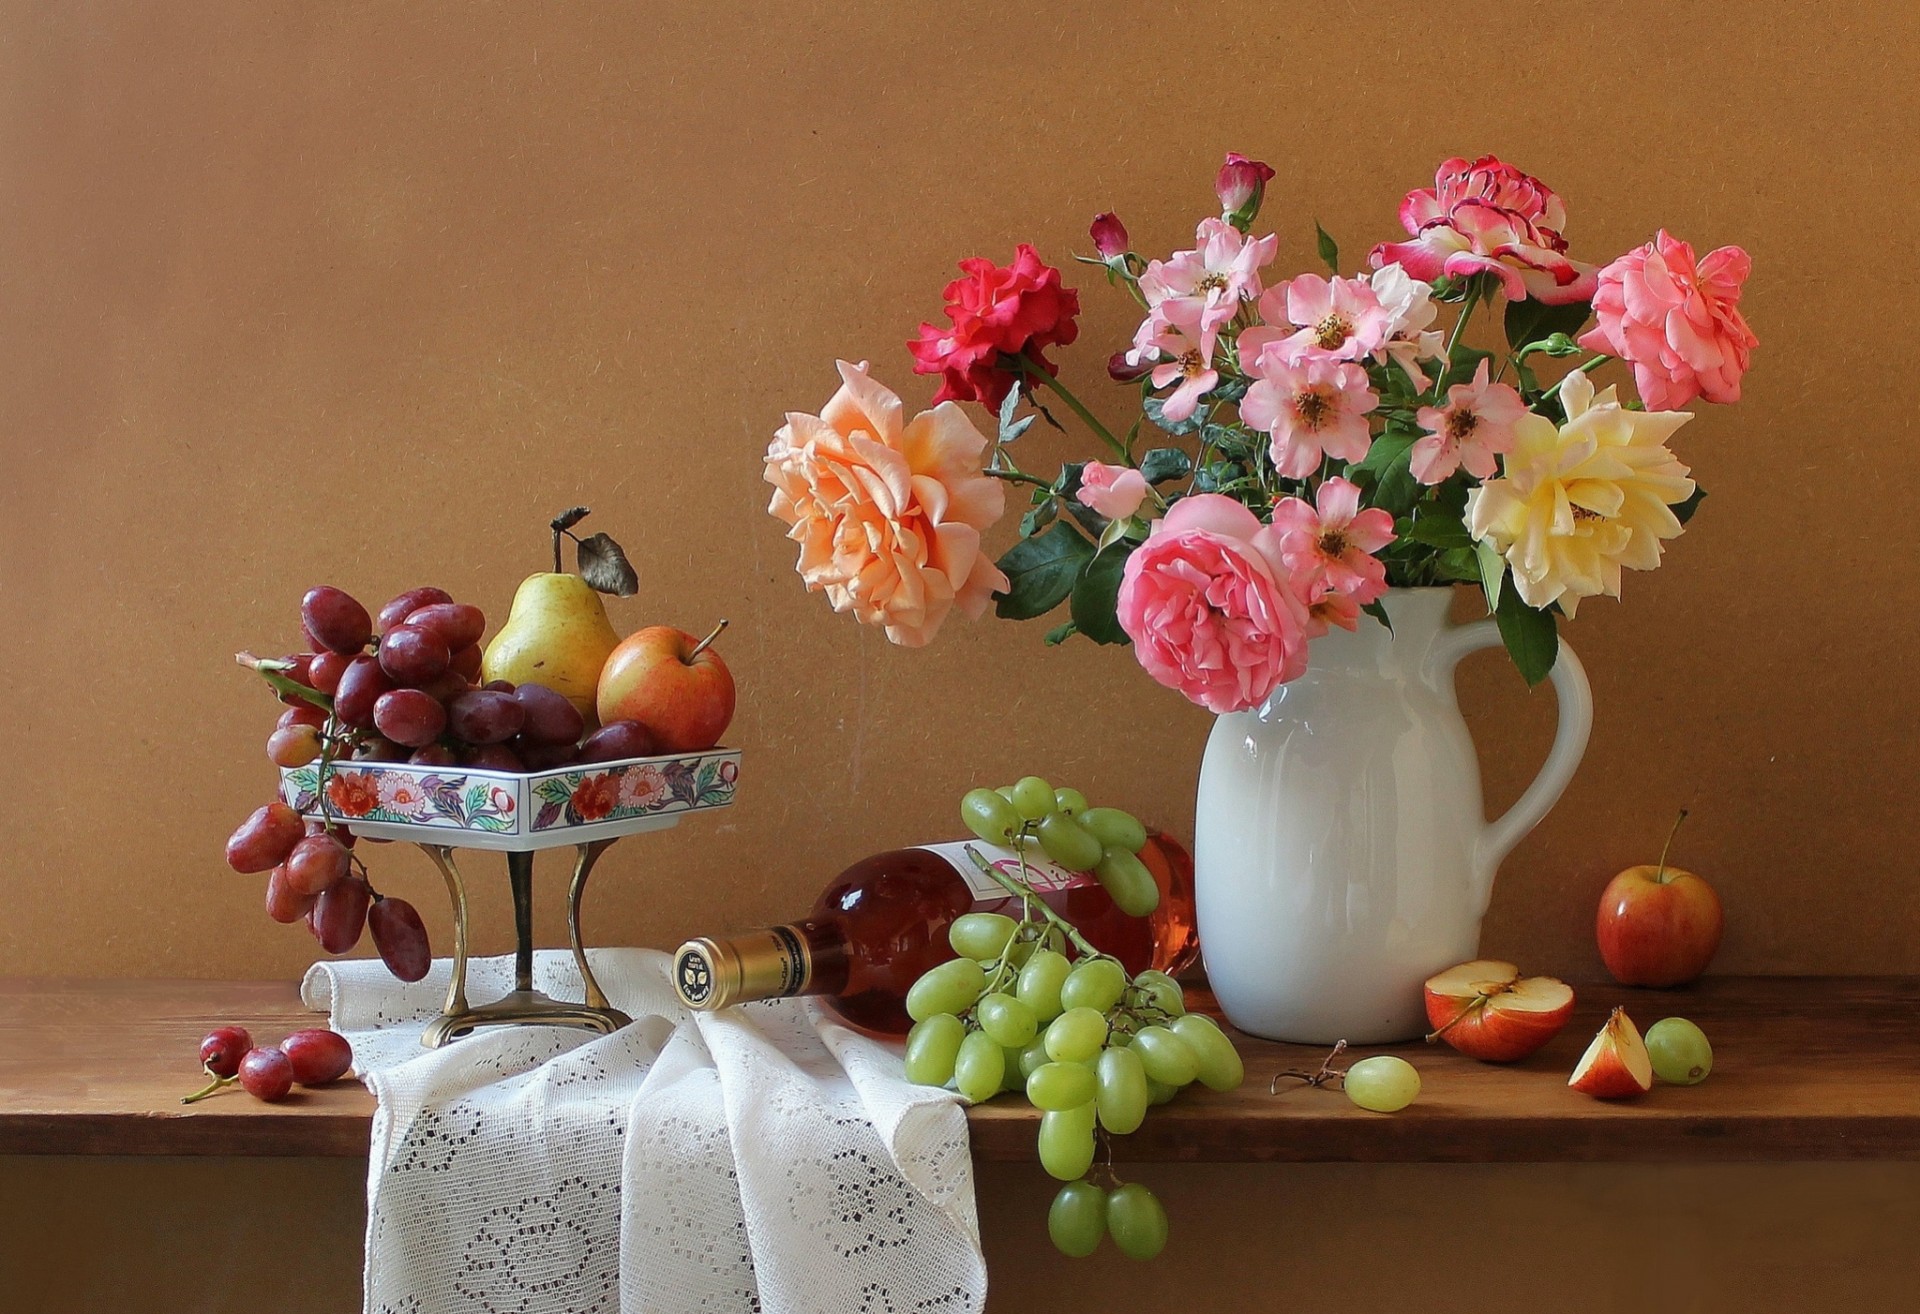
<point>1575,699</point>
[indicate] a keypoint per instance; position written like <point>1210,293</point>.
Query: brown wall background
<point>363,293</point>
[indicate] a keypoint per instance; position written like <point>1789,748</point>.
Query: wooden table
<point>1805,1069</point>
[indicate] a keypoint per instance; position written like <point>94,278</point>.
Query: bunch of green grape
<point>1030,1006</point>
<point>1103,841</point>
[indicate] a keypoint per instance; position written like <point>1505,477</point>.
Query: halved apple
<point>1615,1065</point>
<point>1487,1010</point>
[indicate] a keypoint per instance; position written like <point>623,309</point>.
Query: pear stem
<point>702,646</point>
<point>1660,876</point>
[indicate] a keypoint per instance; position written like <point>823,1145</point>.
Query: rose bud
<point>1121,371</point>
<point>1240,185</point>
<point>1109,236</point>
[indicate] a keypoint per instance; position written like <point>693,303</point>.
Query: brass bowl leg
<point>589,854</point>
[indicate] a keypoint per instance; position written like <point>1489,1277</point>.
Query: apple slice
<point>1487,1010</point>
<point>1615,1065</point>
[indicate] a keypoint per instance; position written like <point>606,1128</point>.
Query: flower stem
<point>1597,360</point>
<point>1036,374</point>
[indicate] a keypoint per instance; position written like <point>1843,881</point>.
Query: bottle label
<point>1041,872</point>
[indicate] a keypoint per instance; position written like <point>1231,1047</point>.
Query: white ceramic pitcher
<point>1341,851</point>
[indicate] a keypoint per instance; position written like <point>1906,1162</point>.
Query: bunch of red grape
<point>312,1058</point>
<point>397,687</point>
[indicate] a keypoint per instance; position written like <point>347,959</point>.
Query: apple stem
<point>1660,877</point>
<point>701,646</point>
<point>1473,1005</point>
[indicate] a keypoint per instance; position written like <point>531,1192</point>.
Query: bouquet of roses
<point>1301,445</point>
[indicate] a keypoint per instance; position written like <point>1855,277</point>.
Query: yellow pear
<point>558,635</point>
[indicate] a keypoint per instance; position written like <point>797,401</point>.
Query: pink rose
<point>1678,323</point>
<point>1240,185</point>
<point>1115,491</point>
<point>1211,607</point>
<point>1488,217</point>
<point>1109,235</point>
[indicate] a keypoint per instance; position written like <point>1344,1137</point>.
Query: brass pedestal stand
<point>524,1003</point>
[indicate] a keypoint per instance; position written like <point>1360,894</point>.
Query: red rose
<point>1019,310</point>
<point>353,793</point>
<point>595,797</point>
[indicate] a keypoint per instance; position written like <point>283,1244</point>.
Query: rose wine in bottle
<point>883,922</point>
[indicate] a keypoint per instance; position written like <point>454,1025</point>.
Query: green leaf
<point>1155,407</point>
<point>1493,569</point>
<point>1328,248</point>
<point>1164,463</point>
<point>1010,428</point>
<point>1378,611</point>
<point>1683,511</point>
<point>1039,518</point>
<point>1096,595</point>
<point>1530,635</point>
<point>1440,531</point>
<point>1059,634</point>
<point>1040,572</point>
<point>1387,470</point>
<point>1216,475</point>
<point>605,567</point>
<point>1458,564</point>
<point>1530,320</point>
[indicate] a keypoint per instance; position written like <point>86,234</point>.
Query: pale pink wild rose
<point>1200,291</point>
<point>1410,336</point>
<point>1184,360</point>
<point>1115,491</point>
<point>1332,541</point>
<point>1678,322</point>
<point>1313,407</point>
<point>1338,317</point>
<point>1211,607</point>
<point>1473,428</point>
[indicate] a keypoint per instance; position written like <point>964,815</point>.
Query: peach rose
<point>888,515</point>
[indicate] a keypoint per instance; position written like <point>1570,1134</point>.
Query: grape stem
<point>1328,1075</point>
<point>1022,890</point>
<point>217,1084</point>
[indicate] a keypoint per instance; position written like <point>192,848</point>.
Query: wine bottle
<point>883,922</point>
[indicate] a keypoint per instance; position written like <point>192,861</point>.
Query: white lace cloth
<point>761,1158</point>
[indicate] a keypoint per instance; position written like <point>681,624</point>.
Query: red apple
<point>675,686</point>
<point>1615,1065</point>
<point>1658,925</point>
<point>1487,1010</point>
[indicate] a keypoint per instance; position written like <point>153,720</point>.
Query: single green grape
<point>1162,991</point>
<point>1218,1062</point>
<point>978,1067</point>
<point>1159,1092</point>
<point>981,936</point>
<point>1066,1141</point>
<point>949,988</point>
<point>1122,1098</point>
<point>1032,797</point>
<point>1127,879</point>
<point>1033,1055</point>
<point>1076,1035</point>
<point>1070,846</point>
<point>990,815</point>
<point>931,1048</point>
<point>1137,1221</point>
<point>1056,1086</point>
<point>1114,828</point>
<point>1070,801</point>
<point>1010,1022</point>
<point>1039,984</point>
<point>1077,1220</point>
<point>1680,1052</point>
<point>1095,983</point>
<point>1167,1057</point>
<point>1384,1083</point>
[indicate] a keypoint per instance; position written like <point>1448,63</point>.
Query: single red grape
<point>485,717</point>
<point>264,839</point>
<point>378,748</point>
<point>551,719</point>
<point>318,1056</point>
<point>266,1074</point>
<point>466,662</point>
<point>339,832</point>
<point>294,746</point>
<point>317,864</point>
<point>304,714</point>
<point>409,602</point>
<point>327,669</point>
<point>285,904</point>
<point>401,938</point>
<point>544,757</point>
<point>437,755</point>
<point>456,624</point>
<point>335,619</point>
<point>222,1050</point>
<point>410,717</point>
<point>616,740</point>
<point>341,915</point>
<point>495,757</point>
<point>360,688</point>
<point>411,655</point>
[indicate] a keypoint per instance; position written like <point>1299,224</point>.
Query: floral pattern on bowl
<point>635,789</point>
<point>407,795</point>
